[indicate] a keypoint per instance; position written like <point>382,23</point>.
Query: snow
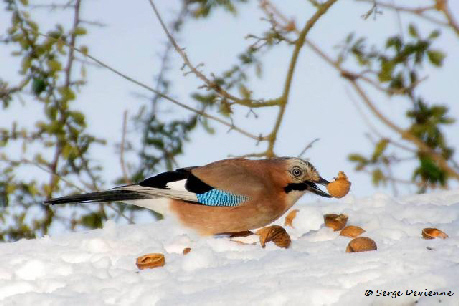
<point>98,267</point>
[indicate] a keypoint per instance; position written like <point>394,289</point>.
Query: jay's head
<point>303,176</point>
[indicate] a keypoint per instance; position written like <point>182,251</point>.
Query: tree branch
<point>404,133</point>
<point>143,85</point>
<point>208,83</point>
<point>123,148</point>
<point>419,11</point>
<point>442,5</point>
<point>308,146</point>
<point>288,81</point>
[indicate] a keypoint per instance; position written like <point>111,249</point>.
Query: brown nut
<point>352,231</point>
<point>361,244</point>
<point>276,234</point>
<point>150,261</point>
<point>340,186</point>
<point>432,233</point>
<point>186,250</point>
<point>289,218</point>
<point>336,222</point>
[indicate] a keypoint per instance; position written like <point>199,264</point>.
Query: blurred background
<point>96,94</point>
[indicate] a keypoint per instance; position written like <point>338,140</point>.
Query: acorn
<point>150,261</point>
<point>340,186</point>
<point>335,221</point>
<point>276,234</point>
<point>432,233</point>
<point>186,250</point>
<point>352,231</point>
<point>361,244</point>
<point>289,218</point>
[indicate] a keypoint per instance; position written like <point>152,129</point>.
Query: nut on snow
<point>432,233</point>
<point>361,244</point>
<point>186,250</point>
<point>276,234</point>
<point>340,186</point>
<point>352,231</point>
<point>336,222</point>
<point>150,261</point>
<point>289,218</point>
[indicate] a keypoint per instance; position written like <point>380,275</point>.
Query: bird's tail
<point>114,195</point>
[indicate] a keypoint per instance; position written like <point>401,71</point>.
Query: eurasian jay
<point>226,196</point>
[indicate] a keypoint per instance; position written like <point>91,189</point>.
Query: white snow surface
<point>98,267</point>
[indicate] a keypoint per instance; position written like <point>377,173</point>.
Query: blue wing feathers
<point>217,197</point>
<point>206,194</point>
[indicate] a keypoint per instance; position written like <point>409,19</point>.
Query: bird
<point>223,197</point>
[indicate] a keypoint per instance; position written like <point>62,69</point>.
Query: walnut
<point>150,261</point>
<point>336,222</point>
<point>361,244</point>
<point>432,233</point>
<point>276,234</point>
<point>186,250</point>
<point>340,186</point>
<point>290,216</point>
<point>352,231</point>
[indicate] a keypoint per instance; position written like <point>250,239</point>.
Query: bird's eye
<point>296,171</point>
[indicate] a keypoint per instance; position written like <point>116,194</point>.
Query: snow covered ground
<point>98,267</point>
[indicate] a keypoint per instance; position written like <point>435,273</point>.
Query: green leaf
<point>78,117</point>
<point>244,92</point>
<point>434,34</point>
<point>395,42</point>
<point>54,65</point>
<point>387,68</point>
<point>84,50</point>
<point>377,176</point>
<point>413,31</point>
<point>379,149</point>
<point>357,158</point>
<point>80,31</point>
<point>93,220</point>
<point>38,86</point>
<point>436,57</point>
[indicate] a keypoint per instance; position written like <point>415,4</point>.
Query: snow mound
<point>98,267</point>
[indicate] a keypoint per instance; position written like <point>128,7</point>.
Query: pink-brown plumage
<point>231,195</point>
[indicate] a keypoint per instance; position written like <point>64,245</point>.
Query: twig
<point>288,81</point>
<point>65,180</point>
<point>404,133</point>
<point>5,91</point>
<point>420,11</point>
<point>373,128</point>
<point>399,180</point>
<point>143,85</point>
<point>122,149</point>
<point>442,5</point>
<point>208,83</point>
<point>308,146</point>
<point>45,169</point>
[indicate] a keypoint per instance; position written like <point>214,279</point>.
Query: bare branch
<point>374,129</point>
<point>418,11</point>
<point>308,146</point>
<point>208,83</point>
<point>123,148</point>
<point>288,81</point>
<point>405,134</point>
<point>143,85</point>
<point>442,5</point>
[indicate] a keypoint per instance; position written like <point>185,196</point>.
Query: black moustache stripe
<point>295,186</point>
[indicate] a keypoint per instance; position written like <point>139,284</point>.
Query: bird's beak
<point>312,187</point>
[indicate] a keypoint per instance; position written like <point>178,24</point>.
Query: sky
<point>321,103</point>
